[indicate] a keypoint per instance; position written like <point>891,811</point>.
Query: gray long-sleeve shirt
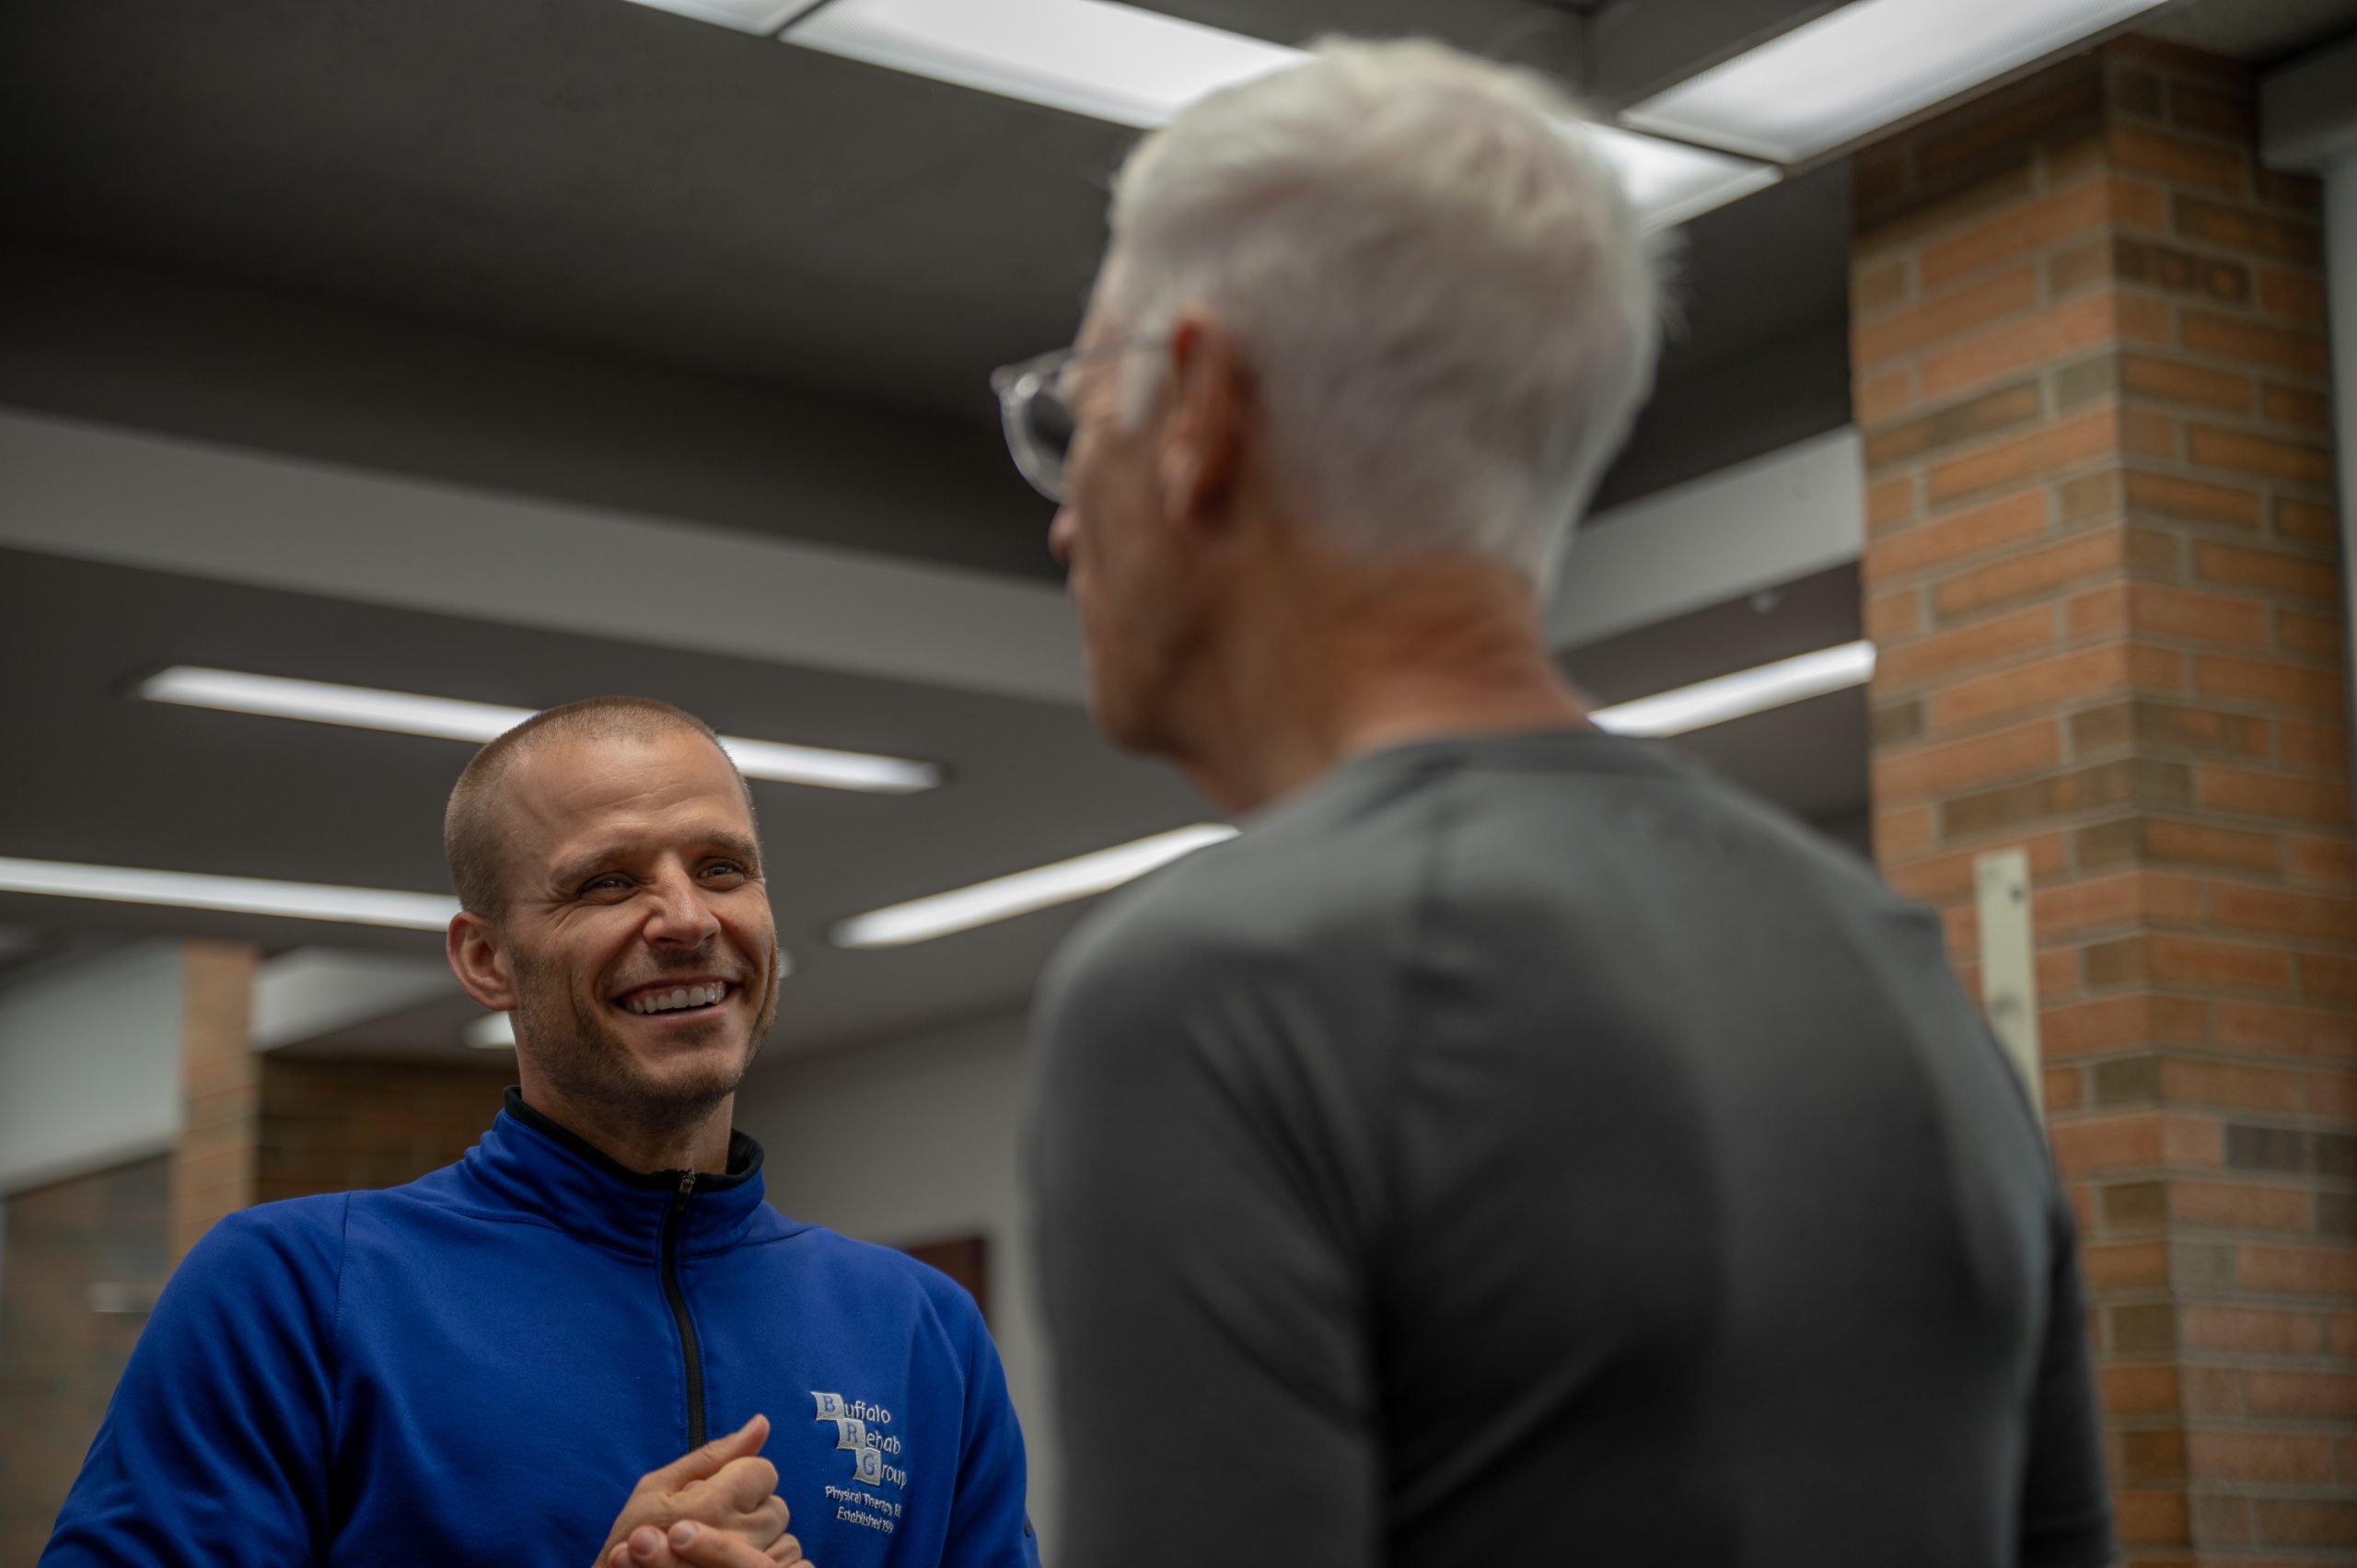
<point>1528,1150</point>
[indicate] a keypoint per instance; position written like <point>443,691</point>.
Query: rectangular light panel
<point>1110,62</point>
<point>761,17</point>
<point>1138,67</point>
<point>1745,692</point>
<point>241,895</point>
<point>452,718</point>
<point>1002,897</point>
<point>1849,73</point>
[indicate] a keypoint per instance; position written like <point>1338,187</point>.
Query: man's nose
<point>682,915</point>
<point>1060,535</point>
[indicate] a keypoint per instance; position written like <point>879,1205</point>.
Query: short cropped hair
<point>475,833</point>
<point>1436,276</point>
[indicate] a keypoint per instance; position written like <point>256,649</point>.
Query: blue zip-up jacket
<point>478,1368</point>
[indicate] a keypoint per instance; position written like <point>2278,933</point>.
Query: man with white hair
<point>1518,1146</point>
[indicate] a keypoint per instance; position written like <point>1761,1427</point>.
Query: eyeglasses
<point>1038,421</point>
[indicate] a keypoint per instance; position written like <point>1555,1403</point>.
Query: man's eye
<point>725,868</point>
<point>600,884</point>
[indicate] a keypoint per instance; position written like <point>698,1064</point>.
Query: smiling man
<point>492,1365</point>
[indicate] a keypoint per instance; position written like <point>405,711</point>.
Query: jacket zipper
<point>690,1354</point>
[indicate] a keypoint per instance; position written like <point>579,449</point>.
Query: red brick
<point>1877,285</point>
<point>1947,877</point>
<point>2149,1518</point>
<point>2128,898</point>
<point>2319,863</point>
<point>1898,834</point>
<point>2035,456</point>
<point>2250,1331</point>
<point>1977,647</point>
<point>2138,1390</point>
<point>2268,682</point>
<point>2139,204</point>
<point>2161,611</point>
<point>1881,398</point>
<point>2258,1456</point>
<point>2327,977</point>
<point>2247,793</point>
<point>2097,613</point>
<point>2313,636</point>
<point>2273,1269</point>
<point>2005,235</point>
<point>2048,338</point>
<point>2332,1096</point>
<point>2237,906</point>
<point>1957,537</point>
<point>1961,764</point>
<point>2030,573</point>
<point>2305,522</point>
<point>2230,1205</point>
<point>2288,405</point>
<point>2198,500</point>
<point>2212,1391</point>
<point>2282,292</point>
<point>2207,960</point>
<point>2233,1086</point>
<point>1943,316</point>
<point>2282,1030</point>
<point>2301,1394</point>
<point>2286,1521</point>
<point>2312,748</point>
<point>2122,1265</point>
<point>2147,433</point>
<point>1890,501</point>
<point>1894,615</point>
<point>2086,1027</point>
<point>2230,337</point>
<point>2062,1091</point>
<point>2072,678</point>
<point>2118,1142</point>
<point>2295,462</point>
<point>2177,159</point>
<point>2178,382</point>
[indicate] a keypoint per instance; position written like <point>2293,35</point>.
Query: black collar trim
<point>744,1154</point>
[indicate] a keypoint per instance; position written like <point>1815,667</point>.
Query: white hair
<point>1434,274</point>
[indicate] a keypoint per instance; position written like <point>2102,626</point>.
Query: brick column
<point>212,1166</point>
<point>2090,366</point>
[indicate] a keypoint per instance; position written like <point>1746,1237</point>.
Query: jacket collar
<point>530,1163</point>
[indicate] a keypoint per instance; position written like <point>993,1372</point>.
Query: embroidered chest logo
<point>863,1431</point>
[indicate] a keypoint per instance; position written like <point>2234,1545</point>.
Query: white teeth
<point>677,997</point>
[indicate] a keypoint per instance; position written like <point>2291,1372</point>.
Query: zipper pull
<point>687,1184</point>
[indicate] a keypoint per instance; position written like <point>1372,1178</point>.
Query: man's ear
<point>480,962</point>
<point>1202,448</point>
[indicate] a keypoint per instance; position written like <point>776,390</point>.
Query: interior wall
<point>90,1063</point>
<point>914,1140</point>
<point>80,1263</point>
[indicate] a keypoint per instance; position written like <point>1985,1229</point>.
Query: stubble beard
<point>572,1043</point>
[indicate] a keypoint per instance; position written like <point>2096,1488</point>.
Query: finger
<point>709,1460</point>
<point>785,1551</point>
<point>694,1546</point>
<point>645,1548</point>
<point>742,1484</point>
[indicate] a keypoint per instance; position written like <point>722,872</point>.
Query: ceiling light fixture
<point>1743,693</point>
<point>1002,897</point>
<point>1139,67</point>
<point>241,895</point>
<point>1832,81</point>
<point>761,17</point>
<point>451,718</point>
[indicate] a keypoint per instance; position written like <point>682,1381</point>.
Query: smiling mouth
<point>677,1000</point>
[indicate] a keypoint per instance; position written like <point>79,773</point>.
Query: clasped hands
<point>715,1508</point>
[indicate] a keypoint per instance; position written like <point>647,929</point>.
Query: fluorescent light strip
<point>921,920</point>
<point>1672,713</point>
<point>1837,79</point>
<point>241,895</point>
<point>404,712</point>
<point>1742,694</point>
<point>1139,67</point>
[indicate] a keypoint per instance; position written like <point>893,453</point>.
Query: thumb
<point>698,1464</point>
